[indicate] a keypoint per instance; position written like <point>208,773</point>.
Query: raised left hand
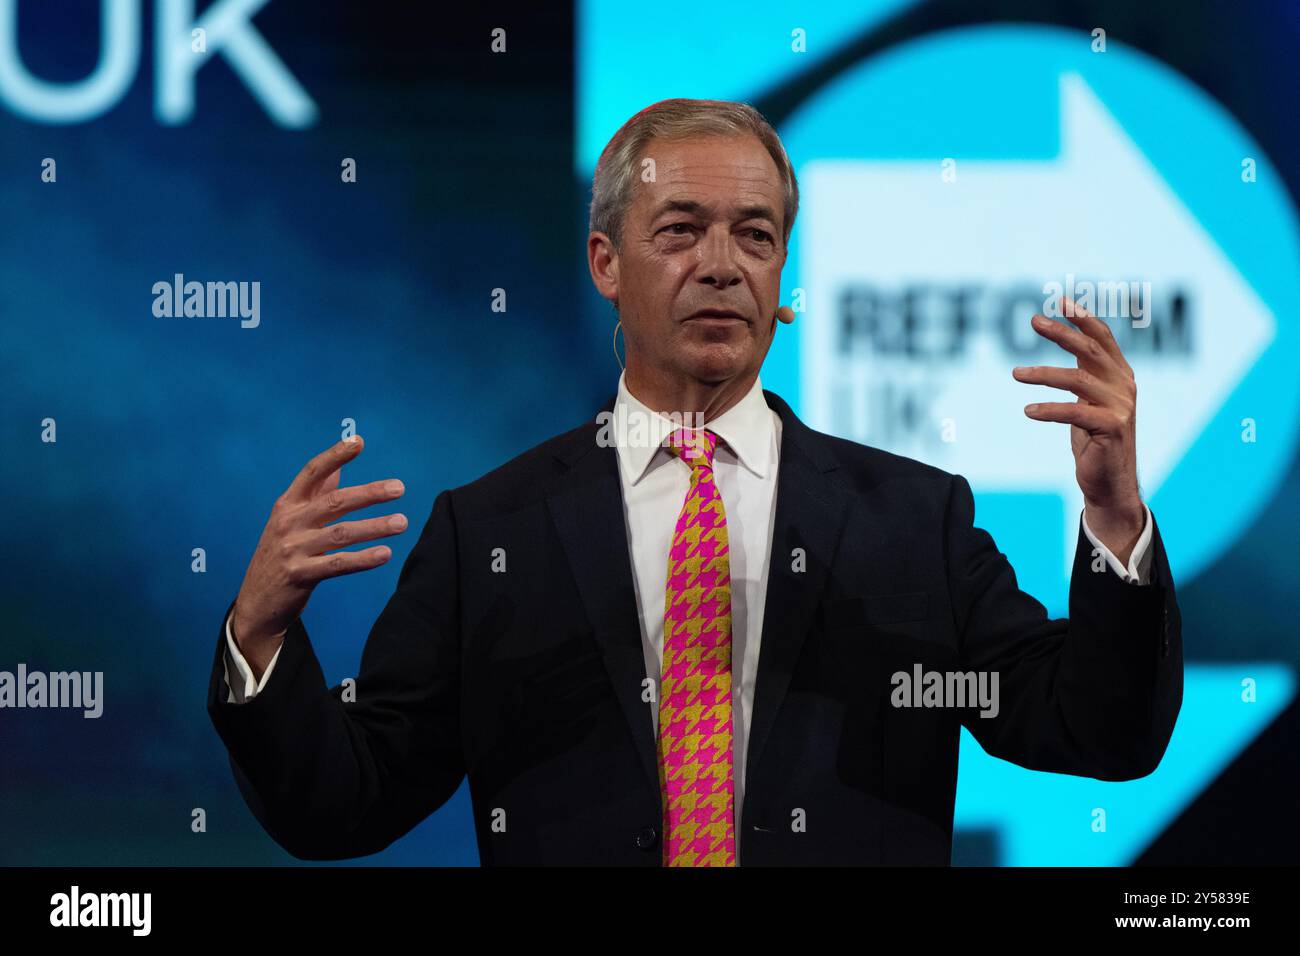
<point>1102,422</point>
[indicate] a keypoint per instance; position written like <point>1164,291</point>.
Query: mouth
<point>717,317</point>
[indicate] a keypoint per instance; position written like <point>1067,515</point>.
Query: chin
<point>717,363</point>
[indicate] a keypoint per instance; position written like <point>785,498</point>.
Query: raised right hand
<point>290,559</point>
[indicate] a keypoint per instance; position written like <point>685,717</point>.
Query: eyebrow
<point>753,211</point>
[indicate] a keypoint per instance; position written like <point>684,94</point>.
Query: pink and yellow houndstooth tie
<point>695,729</point>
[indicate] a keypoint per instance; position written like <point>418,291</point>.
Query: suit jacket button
<point>1164,645</point>
<point>646,838</point>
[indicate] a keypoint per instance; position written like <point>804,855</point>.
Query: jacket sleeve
<point>1093,695</point>
<point>341,772</point>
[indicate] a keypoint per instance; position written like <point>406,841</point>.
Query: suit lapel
<point>810,510</point>
<point>587,508</point>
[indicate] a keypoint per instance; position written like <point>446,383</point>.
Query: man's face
<point>705,235</point>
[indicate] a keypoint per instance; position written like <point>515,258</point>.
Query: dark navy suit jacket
<point>531,681</point>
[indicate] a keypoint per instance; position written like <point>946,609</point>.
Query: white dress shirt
<point>655,483</point>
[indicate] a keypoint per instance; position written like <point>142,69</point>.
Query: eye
<point>671,226</point>
<point>761,234</point>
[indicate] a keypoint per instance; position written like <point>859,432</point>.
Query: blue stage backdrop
<point>393,200</point>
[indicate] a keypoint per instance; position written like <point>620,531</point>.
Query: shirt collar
<point>747,427</point>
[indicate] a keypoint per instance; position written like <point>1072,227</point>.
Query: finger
<point>1080,381</point>
<point>345,533</point>
<point>325,464</point>
<point>1092,326</point>
<point>330,482</point>
<point>313,570</point>
<point>334,504</point>
<point>1091,418</point>
<point>1084,347</point>
<point>1071,308</point>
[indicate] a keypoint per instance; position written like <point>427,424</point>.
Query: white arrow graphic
<point>1044,818</point>
<point>1098,211</point>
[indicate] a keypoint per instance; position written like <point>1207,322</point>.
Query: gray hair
<point>676,119</point>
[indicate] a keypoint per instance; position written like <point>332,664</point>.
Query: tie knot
<point>695,446</point>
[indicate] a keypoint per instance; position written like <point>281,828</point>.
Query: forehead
<point>721,170</point>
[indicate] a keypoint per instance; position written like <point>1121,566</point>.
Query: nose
<point>717,261</point>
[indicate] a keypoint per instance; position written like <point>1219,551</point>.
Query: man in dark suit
<point>694,631</point>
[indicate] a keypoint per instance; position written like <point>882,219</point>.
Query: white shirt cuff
<point>242,688</point>
<point>1139,562</point>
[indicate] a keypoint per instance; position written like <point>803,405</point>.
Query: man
<point>677,633</point>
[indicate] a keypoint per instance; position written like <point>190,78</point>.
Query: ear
<point>602,262</point>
